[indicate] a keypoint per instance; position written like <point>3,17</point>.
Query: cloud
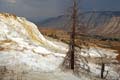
<point>31,8</point>
<point>9,1</point>
<point>51,8</point>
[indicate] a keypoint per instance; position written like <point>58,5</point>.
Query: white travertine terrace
<point>23,44</point>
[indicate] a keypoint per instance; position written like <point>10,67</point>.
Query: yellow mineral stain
<point>32,34</point>
<point>7,15</point>
<point>5,41</point>
<point>1,49</point>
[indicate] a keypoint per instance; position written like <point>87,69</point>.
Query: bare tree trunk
<point>70,57</point>
<point>72,36</point>
<point>102,70</point>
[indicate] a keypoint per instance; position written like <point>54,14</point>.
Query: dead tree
<point>70,57</point>
<point>102,64</point>
<point>102,70</point>
<point>72,35</point>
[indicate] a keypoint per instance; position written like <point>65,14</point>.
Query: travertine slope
<point>22,46</point>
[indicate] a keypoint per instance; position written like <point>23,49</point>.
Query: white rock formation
<point>23,47</point>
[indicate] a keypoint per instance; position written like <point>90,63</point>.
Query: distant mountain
<point>55,22</point>
<point>105,23</point>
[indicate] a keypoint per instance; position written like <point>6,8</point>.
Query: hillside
<point>104,23</point>
<point>25,54</point>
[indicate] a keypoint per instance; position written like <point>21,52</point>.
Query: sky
<point>52,8</point>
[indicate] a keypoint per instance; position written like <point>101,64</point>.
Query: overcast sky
<point>51,8</point>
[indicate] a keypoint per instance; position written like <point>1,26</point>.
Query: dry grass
<point>64,36</point>
<point>60,34</point>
